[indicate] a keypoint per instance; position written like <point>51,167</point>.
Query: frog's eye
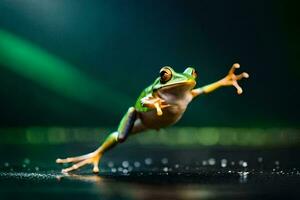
<point>165,75</point>
<point>191,71</point>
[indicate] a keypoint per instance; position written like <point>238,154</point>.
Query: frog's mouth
<point>179,86</point>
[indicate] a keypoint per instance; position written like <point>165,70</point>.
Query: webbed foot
<point>80,161</point>
<point>232,79</point>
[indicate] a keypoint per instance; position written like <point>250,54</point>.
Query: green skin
<point>159,105</point>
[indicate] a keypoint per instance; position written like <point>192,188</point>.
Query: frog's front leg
<point>154,102</point>
<point>230,79</point>
<point>125,127</point>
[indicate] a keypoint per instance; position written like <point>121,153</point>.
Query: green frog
<point>159,105</point>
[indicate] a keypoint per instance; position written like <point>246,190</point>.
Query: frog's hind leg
<point>125,127</point>
<point>91,158</point>
<point>127,124</point>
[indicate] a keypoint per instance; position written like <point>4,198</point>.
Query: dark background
<point>70,69</point>
<point>123,44</point>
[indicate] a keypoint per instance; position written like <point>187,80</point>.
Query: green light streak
<point>36,64</point>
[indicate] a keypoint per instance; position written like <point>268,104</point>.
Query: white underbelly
<point>170,116</point>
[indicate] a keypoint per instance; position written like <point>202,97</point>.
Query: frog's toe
<point>76,166</point>
<point>68,160</point>
<point>96,169</point>
<point>242,75</point>
<point>239,90</point>
<point>96,163</point>
<point>77,158</point>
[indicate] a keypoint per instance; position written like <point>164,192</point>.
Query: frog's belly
<point>170,116</point>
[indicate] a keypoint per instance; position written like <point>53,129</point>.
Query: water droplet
<point>241,162</point>
<point>148,161</point>
<point>6,164</point>
<point>232,163</point>
<point>26,161</point>
<point>125,164</point>
<point>243,176</point>
<point>120,169</point>
<point>24,165</point>
<point>137,164</point>
<point>204,162</point>
<point>245,164</point>
<point>165,169</point>
<point>110,164</point>
<point>223,163</point>
<point>125,171</point>
<point>37,168</point>
<point>211,161</point>
<point>164,161</point>
<point>277,162</point>
<point>113,170</point>
<point>260,159</point>
<point>176,166</point>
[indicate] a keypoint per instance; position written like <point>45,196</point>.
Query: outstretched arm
<point>230,79</point>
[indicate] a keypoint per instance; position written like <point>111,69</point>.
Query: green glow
<point>172,137</point>
<point>53,73</point>
<point>208,136</point>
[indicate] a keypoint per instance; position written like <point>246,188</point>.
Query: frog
<point>159,105</point>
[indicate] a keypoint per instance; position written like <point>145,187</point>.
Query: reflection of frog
<point>159,105</point>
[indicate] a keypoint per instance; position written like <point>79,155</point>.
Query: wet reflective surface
<point>130,172</point>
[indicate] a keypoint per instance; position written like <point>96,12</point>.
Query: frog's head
<point>169,80</point>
